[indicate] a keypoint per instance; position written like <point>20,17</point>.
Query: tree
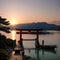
<point>4,25</point>
<point>4,55</point>
<point>4,41</point>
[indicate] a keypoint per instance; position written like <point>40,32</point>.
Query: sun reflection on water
<point>13,34</point>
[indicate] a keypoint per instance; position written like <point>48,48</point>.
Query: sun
<point>13,22</point>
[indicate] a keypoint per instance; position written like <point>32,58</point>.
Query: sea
<point>39,54</point>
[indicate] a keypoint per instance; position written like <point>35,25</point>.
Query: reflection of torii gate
<point>29,31</point>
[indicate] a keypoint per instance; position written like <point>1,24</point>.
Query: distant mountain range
<point>38,25</point>
<point>56,22</point>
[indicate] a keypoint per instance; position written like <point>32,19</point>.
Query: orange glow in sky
<point>28,11</point>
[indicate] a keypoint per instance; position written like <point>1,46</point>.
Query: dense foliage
<point>4,55</point>
<point>4,25</point>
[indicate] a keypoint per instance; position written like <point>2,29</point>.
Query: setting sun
<point>13,21</point>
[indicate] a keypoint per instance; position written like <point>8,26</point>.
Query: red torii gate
<point>29,31</point>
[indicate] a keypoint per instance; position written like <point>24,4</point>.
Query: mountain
<point>38,25</point>
<point>56,22</point>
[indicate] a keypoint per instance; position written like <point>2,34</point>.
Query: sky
<point>27,11</point>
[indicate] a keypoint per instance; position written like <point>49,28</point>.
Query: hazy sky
<point>24,11</point>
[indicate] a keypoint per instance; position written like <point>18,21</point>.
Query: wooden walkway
<point>15,57</point>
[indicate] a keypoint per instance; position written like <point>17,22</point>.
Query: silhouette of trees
<point>4,55</point>
<point>5,43</point>
<point>4,25</point>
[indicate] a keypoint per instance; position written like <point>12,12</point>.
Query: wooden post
<point>37,40</point>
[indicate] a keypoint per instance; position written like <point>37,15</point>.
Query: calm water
<point>50,39</point>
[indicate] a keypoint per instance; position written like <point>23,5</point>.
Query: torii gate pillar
<point>20,41</point>
<point>37,40</point>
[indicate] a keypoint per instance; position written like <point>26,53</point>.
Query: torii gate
<point>29,31</point>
